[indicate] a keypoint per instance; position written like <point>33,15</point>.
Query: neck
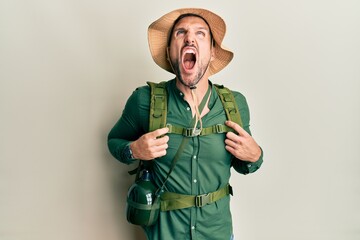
<point>195,96</point>
<point>200,90</point>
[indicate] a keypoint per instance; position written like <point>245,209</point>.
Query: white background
<point>67,68</point>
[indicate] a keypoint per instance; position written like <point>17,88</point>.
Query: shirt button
<point>195,180</point>
<point>192,227</point>
<point>181,94</point>
<point>188,108</point>
<point>249,165</point>
<point>194,157</point>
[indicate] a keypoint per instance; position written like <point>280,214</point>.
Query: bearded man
<point>188,43</point>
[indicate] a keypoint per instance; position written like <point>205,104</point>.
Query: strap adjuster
<point>202,200</point>
<point>191,132</point>
<point>169,126</point>
<point>219,128</point>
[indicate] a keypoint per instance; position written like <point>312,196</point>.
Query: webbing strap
<point>230,106</point>
<point>158,111</point>
<point>143,206</point>
<point>158,106</point>
<point>188,132</point>
<point>154,210</point>
<point>173,201</point>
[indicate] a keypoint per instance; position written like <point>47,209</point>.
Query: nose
<point>189,38</point>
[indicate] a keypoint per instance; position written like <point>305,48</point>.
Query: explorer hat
<point>158,36</point>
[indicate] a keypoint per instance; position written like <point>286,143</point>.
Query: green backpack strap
<point>157,117</point>
<point>158,105</point>
<point>158,110</point>
<point>229,103</point>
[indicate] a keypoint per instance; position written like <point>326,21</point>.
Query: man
<point>187,42</point>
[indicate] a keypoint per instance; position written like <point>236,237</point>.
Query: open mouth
<point>189,59</point>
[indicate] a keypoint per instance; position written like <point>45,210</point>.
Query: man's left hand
<point>241,145</point>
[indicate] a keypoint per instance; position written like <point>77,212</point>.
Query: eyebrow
<point>197,28</point>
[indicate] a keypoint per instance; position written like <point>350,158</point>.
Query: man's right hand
<point>150,145</point>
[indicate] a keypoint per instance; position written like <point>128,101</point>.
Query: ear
<point>213,54</point>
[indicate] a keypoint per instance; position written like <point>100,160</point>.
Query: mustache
<point>189,45</point>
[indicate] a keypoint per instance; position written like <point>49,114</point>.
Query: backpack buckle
<point>202,200</point>
<point>196,132</point>
<point>191,132</point>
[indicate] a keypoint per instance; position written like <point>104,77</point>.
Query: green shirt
<point>203,167</point>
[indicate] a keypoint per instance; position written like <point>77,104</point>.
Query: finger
<point>161,141</point>
<point>159,154</point>
<point>233,137</point>
<point>230,149</point>
<point>160,148</point>
<point>237,128</point>
<point>230,143</point>
<point>159,132</point>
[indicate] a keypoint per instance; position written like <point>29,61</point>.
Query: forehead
<point>191,21</point>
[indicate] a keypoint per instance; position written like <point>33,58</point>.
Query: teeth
<point>189,50</point>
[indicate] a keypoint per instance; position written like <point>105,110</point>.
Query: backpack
<point>158,111</point>
<point>139,209</point>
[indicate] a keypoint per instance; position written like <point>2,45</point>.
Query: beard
<point>192,82</point>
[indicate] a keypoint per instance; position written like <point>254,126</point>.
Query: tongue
<point>189,64</point>
<point>189,61</point>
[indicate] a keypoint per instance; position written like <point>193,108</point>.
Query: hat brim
<point>158,34</point>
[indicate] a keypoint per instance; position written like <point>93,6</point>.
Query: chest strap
<point>173,201</point>
<point>158,111</point>
<point>188,132</point>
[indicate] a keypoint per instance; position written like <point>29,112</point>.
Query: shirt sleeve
<point>245,167</point>
<point>132,124</point>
